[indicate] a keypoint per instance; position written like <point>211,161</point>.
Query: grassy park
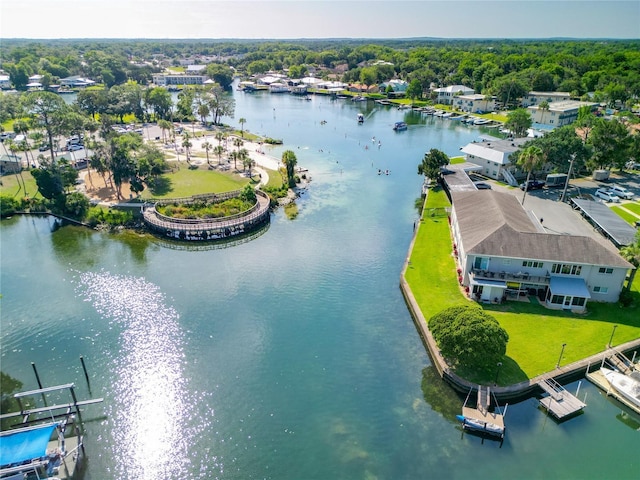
<point>536,334</point>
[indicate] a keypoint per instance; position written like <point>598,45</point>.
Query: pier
<point>480,419</point>
<point>559,402</point>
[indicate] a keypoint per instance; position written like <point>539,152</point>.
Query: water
<point>289,357</point>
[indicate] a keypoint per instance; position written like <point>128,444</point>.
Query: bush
<point>626,298</point>
<point>112,218</point>
<point>8,205</point>
<point>468,336</point>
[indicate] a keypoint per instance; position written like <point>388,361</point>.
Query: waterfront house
<point>475,103</point>
<point>5,82</point>
<point>493,157</point>
<point>445,95</point>
<point>503,254</point>
<point>76,81</point>
<point>168,80</point>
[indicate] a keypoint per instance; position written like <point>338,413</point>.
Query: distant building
<point>167,79</point>
<point>5,82</point>
<point>196,69</point>
<point>535,98</point>
<point>76,81</point>
<point>558,113</point>
<point>10,164</point>
<point>446,94</point>
<point>474,103</point>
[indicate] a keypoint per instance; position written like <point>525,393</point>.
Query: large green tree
<point>432,162</point>
<point>611,142</point>
<point>469,337</point>
<point>518,121</point>
<point>48,111</point>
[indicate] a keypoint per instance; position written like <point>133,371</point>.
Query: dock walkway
<point>559,402</point>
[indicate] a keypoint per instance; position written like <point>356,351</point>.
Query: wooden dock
<point>559,402</point>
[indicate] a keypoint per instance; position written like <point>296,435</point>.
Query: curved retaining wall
<point>208,229</point>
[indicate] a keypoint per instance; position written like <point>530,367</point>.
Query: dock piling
<point>35,370</point>
<point>86,375</point>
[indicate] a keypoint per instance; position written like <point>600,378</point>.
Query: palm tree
<point>290,161</point>
<point>243,156</point>
<point>234,156</point>
<point>530,159</point>
<point>165,126</point>
<point>218,150</point>
<point>22,128</point>
<point>11,145</point>
<point>186,143</point>
<point>219,136</point>
<point>242,121</point>
<point>207,148</point>
<point>237,142</point>
<point>544,107</point>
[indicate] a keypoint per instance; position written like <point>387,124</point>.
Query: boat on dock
<point>44,442</point>
<point>481,121</point>
<point>625,385</point>
<point>480,419</point>
<point>399,126</point>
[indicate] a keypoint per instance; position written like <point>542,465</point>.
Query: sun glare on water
<point>152,421</point>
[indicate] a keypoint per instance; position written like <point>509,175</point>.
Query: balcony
<point>519,277</point>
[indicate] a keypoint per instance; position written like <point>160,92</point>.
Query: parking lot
<point>559,217</point>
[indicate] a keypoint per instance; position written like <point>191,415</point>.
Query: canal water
<point>292,356</point>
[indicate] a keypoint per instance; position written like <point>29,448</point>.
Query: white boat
<point>626,386</point>
<point>480,426</point>
<point>360,118</point>
<point>446,114</point>
<point>481,121</point>
<point>398,126</point>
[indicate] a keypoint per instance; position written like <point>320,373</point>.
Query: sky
<point>293,19</point>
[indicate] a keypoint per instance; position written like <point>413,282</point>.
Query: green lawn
<point>186,182</point>
<point>633,206</point>
<point>12,185</point>
<point>626,216</point>
<point>536,334</point>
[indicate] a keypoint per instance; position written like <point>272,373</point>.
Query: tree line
<point>609,71</point>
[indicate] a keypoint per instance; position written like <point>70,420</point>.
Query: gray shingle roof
<point>495,224</point>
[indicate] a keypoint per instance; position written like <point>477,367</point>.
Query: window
<point>566,269</point>
<point>607,271</point>
<point>600,289</point>
<point>481,263</point>
<point>532,264</point>
<point>558,299</point>
<point>578,301</point>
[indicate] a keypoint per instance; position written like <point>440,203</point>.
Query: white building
<point>558,113</point>
<point>76,81</point>
<point>446,94</point>
<point>167,79</point>
<point>474,103</point>
<point>502,254</point>
<point>5,82</point>
<point>493,156</point>
<point>535,98</point>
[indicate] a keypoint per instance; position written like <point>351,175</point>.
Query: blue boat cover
<point>25,445</point>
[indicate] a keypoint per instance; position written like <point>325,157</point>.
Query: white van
<point>621,192</point>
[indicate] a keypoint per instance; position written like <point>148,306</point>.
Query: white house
<point>502,254</point>
<point>493,156</point>
<point>535,98</point>
<point>558,113</point>
<point>475,103</point>
<point>446,94</point>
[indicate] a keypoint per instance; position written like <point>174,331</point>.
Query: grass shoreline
<point>536,334</point>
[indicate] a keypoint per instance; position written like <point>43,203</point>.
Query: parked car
<point>482,186</point>
<point>533,185</point>
<point>44,147</point>
<point>607,196</point>
<point>621,192</point>
<point>74,148</point>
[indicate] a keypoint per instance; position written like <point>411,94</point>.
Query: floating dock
<point>559,402</point>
